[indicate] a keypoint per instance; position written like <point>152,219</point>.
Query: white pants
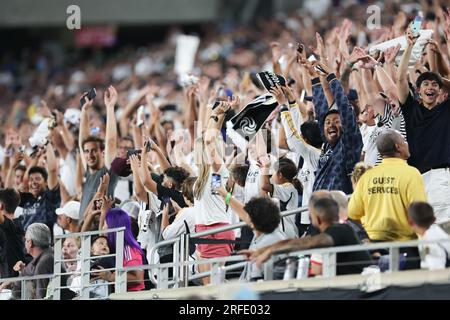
<point>437,187</point>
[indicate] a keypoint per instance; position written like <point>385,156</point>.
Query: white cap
<point>72,116</point>
<point>71,209</point>
<point>131,207</point>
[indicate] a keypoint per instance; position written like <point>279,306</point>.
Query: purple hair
<point>116,218</point>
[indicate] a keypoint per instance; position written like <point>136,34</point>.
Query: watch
<point>215,118</point>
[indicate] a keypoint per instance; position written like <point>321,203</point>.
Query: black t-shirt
<point>348,262</point>
<point>13,248</point>
<point>40,209</point>
<point>428,134</point>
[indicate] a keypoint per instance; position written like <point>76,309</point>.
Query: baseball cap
<point>71,209</point>
<point>131,207</point>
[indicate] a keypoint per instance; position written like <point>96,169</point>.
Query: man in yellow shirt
<point>384,193</point>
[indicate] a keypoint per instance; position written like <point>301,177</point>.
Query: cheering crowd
<point>359,136</point>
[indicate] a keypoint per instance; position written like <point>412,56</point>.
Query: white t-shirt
<point>122,191</point>
<point>211,207</point>
<point>68,171</point>
<point>288,196</point>
<point>369,136</point>
<point>177,227</point>
<point>433,254</point>
<point>252,182</point>
<point>310,154</point>
<point>238,194</point>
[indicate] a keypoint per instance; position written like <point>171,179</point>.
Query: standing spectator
<point>434,255</point>
<point>383,194</point>
<point>95,164</point>
<point>285,187</point>
<point>343,142</point>
<point>40,203</point>
<point>428,131</point>
<point>212,212</point>
<point>12,246</point>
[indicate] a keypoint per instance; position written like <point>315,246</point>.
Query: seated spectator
<point>37,244</point>
<point>325,216</point>
<point>70,249</point>
<point>436,255</point>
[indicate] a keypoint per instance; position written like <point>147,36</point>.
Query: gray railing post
<point>176,268</point>
<point>57,268</point>
<point>329,264</point>
<point>23,289</point>
<point>268,269</point>
<point>121,275</point>
<point>185,238</point>
<point>163,278</point>
<point>394,259</point>
<point>85,266</point>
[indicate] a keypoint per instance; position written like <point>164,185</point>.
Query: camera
<point>98,204</point>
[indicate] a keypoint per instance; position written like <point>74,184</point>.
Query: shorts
<point>208,251</point>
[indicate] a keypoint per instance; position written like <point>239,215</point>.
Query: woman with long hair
<point>132,252</point>
<point>212,209</point>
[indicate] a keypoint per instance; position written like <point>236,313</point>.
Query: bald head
<point>391,144</point>
<point>319,194</point>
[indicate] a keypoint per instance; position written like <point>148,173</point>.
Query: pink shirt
<point>132,257</point>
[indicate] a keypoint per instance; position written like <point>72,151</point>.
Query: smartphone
<point>216,182</point>
<point>98,204</point>
<point>148,145</point>
<point>140,116</point>
<point>22,149</point>
<point>172,143</point>
<point>300,48</point>
<point>89,96</point>
<point>133,152</point>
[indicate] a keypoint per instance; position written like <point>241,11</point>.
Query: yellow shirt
<point>381,199</point>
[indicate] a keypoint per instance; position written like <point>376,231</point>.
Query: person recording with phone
<point>168,185</point>
<point>98,154</point>
<point>212,208</point>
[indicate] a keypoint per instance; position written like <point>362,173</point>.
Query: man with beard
<point>428,131</point>
<point>340,132</point>
<point>98,155</point>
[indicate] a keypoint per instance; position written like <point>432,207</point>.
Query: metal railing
<point>181,252</point>
<point>85,262</point>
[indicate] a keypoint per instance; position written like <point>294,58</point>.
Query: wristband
<point>349,63</point>
<point>228,198</point>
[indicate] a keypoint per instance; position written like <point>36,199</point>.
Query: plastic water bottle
<point>290,269</point>
<point>417,24</point>
<point>303,267</point>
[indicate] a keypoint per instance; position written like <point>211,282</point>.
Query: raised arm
<point>236,206</point>
<point>52,168</point>
<point>111,126</point>
<point>145,175</point>
<point>402,84</point>
<point>138,187</point>
<point>84,127</point>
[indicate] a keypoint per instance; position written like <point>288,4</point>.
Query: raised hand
<point>110,97</point>
<point>391,53</point>
<point>234,101</point>
<point>276,51</point>
<point>104,182</point>
<point>135,163</point>
<point>278,93</point>
<point>410,37</point>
